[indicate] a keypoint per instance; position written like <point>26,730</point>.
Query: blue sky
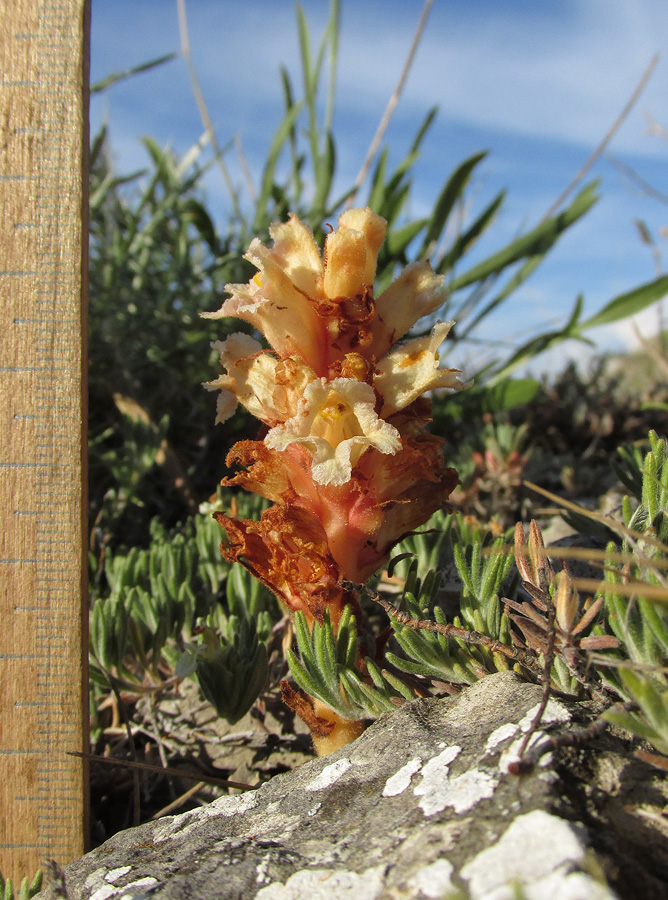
<point>537,84</point>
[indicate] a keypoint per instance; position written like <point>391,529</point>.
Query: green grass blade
<point>277,144</point>
<point>539,240</point>
<point>115,77</point>
<point>468,237</point>
<point>450,194</point>
<point>629,304</point>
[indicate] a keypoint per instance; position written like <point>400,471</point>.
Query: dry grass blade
<point>654,592</point>
<point>614,128</point>
<point>201,103</point>
<point>612,662</point>
<point>597,558</point>
<point>612,524</point>
<point>392,103</point>
<point>654,759</point>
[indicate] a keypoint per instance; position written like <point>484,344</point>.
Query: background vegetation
<point>170,618</point>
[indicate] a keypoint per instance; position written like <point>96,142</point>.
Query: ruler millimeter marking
<point>43,278</point>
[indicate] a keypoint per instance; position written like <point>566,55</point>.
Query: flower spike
<point>345,458</point>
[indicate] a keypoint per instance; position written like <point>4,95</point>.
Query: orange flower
<point>287,551</point>
<point>386,498</point>
<point>345,460</point>
<point>342,402</point>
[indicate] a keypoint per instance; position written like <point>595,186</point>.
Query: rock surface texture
<point>421,806</point>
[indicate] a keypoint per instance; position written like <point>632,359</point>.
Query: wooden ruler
<point>43,275</point>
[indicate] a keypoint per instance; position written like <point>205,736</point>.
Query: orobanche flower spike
<point>345,456</point>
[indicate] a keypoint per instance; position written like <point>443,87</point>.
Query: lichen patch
<point>329,774</point>
<point>226,807</point>
<point>500,734</point>
<point>555,712</point>
<point>537,853</point>
<point>433,881</point>
<point>326,884</point>
<point>398,782</point>
<point>461,793</point>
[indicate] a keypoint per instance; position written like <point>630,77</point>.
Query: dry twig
<point>392,104</point>
<point>462,634</point>
<point>614,128</point>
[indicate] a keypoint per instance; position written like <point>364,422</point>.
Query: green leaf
<point>506,394</point>
<point>468,237</point>
<point>451,192</point>
<point>325,173</point>
<point>537,345</point>
<point>539,240</point>
<point>282,134</point>
<point>115,77</point>
<point>423,129</point>
<point>629,304</point>
<point>398,239</point>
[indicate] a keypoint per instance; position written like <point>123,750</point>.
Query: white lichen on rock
<point>326,884</point>
<point>329,775</point>
<point>537,853</point>
<point>398,782</point>
<point>499,735</point>
<point>227,806</point>
<point>555,712</point>
<point>100,884</point>
<point>433,881</point>
<point>438,790</point>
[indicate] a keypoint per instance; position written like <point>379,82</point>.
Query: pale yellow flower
<point>351,253</point>
<point>268,387</point>
<point>415,293</point>
<point>336,422</point>
<point>320,310</point>
<point>413,368</point>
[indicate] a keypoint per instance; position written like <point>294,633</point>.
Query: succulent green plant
<point>27,889</point>
<point>327,669</point>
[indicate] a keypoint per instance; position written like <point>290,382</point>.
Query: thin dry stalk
<point>241,156</point>
<point>599,517</point>
<point>547,669</point>
<point>179,801</point>
<point>591,555</point>
<point>159,770</point>
<point>578,737</point>
<point>647,189</point>
<point>392,104</point>
<point>614,128</point>
<point>201,103</point>
<point>463,634</point>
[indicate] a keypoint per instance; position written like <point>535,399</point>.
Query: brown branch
<point>159,770</point>
<point>578,737</point>
<point>547,670</point>
<point>462,634</point>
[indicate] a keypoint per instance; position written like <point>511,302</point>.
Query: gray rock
<point>420,806</point>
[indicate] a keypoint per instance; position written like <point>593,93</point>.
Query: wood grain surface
<point>43,275</point>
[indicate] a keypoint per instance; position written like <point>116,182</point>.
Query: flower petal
<point>269,388</point>
<point>336,422</point>
<point>417,292</point>
<point>410,370</point>
<point>351,253</point>
<point>287,551</point>
<point>296,250</point>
